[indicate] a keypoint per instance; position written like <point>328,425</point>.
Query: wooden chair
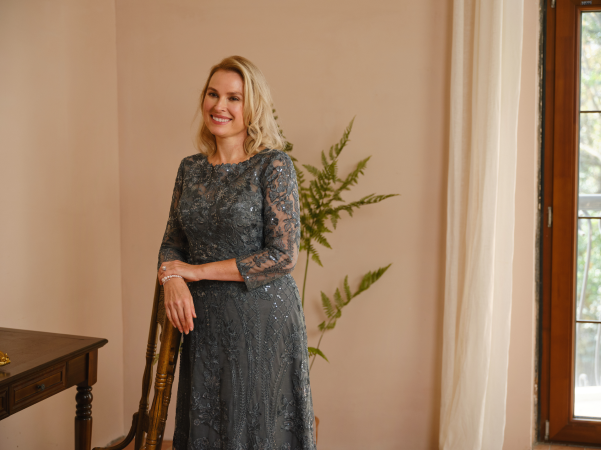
<point>152,424</point>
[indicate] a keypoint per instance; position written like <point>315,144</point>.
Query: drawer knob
<point>41,387</point>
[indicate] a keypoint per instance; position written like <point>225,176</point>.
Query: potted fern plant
<point>321,205</point>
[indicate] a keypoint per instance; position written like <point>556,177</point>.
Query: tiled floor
<point>560,447</point>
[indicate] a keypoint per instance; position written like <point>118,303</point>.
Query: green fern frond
<point>322,240</point>
<point>312,169</point>
<point>313,252</point>
<point>300,176</point>
<point>370,278</point>
<point>330,174</point>
<point>337,148</point>
<point>334,217</point>
<point>334,311</point>
<point>324,160</point>
<point>327,305</point>
<point>316,227</point>
<point>347,290</point>
<point>338,299</point>
<point>336,196</point>
<point>372,198</point>
<point>309,229</point>
<point>347,208</point>
<point>353,177</point>
<point>367,200</point>
<point>320,224</point>
<point>288,147</point>
<point>334,171</point>
<point>315,351</point>
<point>312,197</point>
<point>315,257</point>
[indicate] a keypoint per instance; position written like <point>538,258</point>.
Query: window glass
<point>587,375</point>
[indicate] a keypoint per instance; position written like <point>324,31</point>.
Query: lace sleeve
<point>175,242</point>
<point>281,228</point>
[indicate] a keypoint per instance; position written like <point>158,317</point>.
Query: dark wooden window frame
<point>558,226</point>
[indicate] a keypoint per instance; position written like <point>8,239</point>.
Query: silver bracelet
<point>168,277</point>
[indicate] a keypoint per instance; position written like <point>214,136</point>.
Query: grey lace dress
<point>244,374</point>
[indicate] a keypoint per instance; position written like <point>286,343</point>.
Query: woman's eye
<point>212,94</point>
<point>235,99</point>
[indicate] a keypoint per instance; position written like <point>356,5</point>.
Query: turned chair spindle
<point>148,427</point>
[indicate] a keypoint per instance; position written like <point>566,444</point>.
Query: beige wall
<point>59,200</point>
<point>385,61</point>
<point>520,387</point>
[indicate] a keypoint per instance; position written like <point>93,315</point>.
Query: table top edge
<point>71,336</point>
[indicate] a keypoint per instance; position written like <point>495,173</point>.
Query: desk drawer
<point>37,387</point>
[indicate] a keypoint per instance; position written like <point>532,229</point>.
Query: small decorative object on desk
<point>4,359</point>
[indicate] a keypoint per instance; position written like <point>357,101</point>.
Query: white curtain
<point>485,85</point>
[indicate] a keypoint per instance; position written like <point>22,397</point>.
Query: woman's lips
<point>220,120</point>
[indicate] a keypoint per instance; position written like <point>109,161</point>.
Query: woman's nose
<point>221,104</point>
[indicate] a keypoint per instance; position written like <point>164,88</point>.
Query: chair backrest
<point>148,427</point>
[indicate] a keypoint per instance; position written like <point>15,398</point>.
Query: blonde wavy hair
<point>261,127</point>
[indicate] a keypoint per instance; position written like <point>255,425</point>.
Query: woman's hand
<point>179,305</point>
<point>188,271</point>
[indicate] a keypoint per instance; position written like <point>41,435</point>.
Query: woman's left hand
<point>188,271</point>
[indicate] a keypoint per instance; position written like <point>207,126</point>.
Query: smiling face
<point>223,106</point>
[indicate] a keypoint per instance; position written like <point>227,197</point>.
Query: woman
<point>230,245</point>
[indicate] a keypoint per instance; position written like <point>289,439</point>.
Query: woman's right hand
<point>179,305</point>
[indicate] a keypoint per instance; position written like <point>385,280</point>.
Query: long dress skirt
<point>244,372</point>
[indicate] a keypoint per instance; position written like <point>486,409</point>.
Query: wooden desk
<point>44,364</point>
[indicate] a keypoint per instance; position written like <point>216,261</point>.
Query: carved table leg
<point>83,418</point>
